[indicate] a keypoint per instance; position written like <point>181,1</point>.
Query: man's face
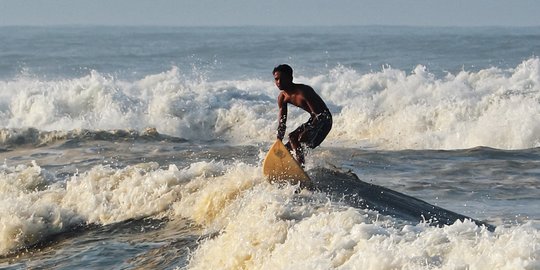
<point>282,81</point>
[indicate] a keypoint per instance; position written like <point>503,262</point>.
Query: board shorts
<point>316,132</point>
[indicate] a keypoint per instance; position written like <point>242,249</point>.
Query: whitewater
<point>141,147</point>
<point>492,107</point>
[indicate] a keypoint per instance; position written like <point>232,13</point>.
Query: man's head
<point>283,76</point>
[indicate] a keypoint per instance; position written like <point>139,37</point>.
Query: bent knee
<point>294,136</point>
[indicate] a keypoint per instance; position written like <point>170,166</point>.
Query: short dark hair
<point>284,69</point>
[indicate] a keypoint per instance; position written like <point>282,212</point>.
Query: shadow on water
<point>386,201</point>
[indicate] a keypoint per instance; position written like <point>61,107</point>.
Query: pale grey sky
<point>271,12</point>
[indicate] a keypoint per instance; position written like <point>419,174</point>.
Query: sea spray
<point>31,207</point>
<point>36,205</point>
<point>264,226</point>
<point>391,108</point>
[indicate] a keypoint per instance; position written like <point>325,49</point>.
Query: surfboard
<point>280,166</point>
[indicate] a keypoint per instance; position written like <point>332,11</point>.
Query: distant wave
<point>34,137</point>
<point>389,109</point>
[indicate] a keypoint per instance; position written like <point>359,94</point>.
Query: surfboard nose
<point>280,166</point>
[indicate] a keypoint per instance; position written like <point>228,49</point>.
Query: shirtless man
<point>311,133</point>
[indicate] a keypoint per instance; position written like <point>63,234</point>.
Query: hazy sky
<point>271,12</point>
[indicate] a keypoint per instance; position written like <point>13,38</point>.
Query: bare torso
<point>303,97</point>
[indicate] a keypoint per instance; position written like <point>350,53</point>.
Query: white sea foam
<point>36,206</point>
<point>255,225</point>
<point>391,109</point>
<point>259,226</point>
<point>30,207</point>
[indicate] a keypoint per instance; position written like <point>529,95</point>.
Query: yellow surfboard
<point>280,166</point>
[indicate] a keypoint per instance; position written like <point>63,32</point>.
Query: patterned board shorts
<point>316,132</point>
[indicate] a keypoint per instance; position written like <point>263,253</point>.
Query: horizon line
<point>266,25</point>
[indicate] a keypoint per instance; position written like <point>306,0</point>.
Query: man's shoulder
<point>282,96</point>
<point>303,87</point>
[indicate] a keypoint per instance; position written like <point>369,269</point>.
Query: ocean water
<point>141,148</point>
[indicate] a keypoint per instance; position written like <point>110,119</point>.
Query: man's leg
<point>310,135</point>
<point>294,142</point>
<point>316,135</point>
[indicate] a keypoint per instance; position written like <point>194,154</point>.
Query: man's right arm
<point>282,120</point>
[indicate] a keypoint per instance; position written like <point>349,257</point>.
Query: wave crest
<point>390,109</point>
<point>34,137</point>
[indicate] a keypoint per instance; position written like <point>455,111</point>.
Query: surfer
<point>314,131</point>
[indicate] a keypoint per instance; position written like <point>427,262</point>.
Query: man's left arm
<point>282,121</point>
